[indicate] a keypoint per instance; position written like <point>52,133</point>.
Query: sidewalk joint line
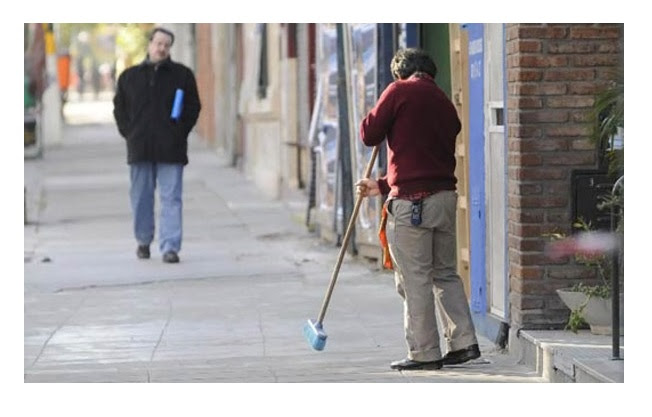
<point>160,337</point>
<point>55,331</point>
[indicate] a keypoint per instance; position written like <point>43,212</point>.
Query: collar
<point>166,63</point>
<point>420,75</point>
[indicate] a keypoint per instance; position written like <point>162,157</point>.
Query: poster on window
<point>327,126</point>
<point>363,90</point>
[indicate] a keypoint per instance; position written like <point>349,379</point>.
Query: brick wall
<point>553,72</point>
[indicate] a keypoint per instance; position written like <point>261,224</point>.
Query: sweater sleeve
<point>379,120</point>
<point>383,185</point>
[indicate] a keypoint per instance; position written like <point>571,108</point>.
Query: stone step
<point>563,356</point>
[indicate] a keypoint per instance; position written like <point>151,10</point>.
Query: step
<point>564,356</point>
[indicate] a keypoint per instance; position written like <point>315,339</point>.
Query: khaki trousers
<point>425,270</point>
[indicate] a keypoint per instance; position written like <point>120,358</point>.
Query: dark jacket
<point>421,125</point>
<point>142,106</point>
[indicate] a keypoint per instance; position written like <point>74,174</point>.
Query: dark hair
<point>162,30</point>
<point>408,61</point>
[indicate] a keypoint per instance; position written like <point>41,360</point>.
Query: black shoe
<point>170,257</point>
<point>408,365</point>
<point>143,252</point>
<point>460,356</point>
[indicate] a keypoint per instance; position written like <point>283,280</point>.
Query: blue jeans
<point>144,176</point>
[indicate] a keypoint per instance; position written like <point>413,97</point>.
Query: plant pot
<point>597,312</point>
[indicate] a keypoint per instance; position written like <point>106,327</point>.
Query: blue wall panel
<point>477,168</point>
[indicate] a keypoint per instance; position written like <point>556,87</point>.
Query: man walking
<point>157,141</point>
<point>421,125</point>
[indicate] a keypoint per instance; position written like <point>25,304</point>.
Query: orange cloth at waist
<point>382,235</point>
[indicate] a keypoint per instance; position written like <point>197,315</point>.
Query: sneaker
<point>142,252</point>
<point>170,257</point>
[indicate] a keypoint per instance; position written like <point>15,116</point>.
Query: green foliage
<point>600,264</point>
<point>131,41</point>
<point>104,42</point>
<point>607,116</point>
<point>576,320</point>
<point>576,317</point>
<point>600,291</point>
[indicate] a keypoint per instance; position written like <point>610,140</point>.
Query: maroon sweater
<point>421,125</point>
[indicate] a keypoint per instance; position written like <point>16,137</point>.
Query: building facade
<point>283,103</point>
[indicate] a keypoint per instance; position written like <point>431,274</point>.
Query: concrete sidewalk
<point>231,311</point>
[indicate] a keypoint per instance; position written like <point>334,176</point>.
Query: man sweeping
<point>421,125</point>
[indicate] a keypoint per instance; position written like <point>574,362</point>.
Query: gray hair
<point>408,61</point>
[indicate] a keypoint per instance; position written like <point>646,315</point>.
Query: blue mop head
<point>315,335</point>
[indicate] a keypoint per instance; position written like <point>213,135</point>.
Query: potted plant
<point>589,304</point>
<point>597,250</point>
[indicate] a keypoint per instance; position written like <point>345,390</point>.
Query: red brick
<point>525,103</point>
<point>542,116</point>
<point>601,60</point>
<point>511,32</point>
<point>520,159</point>
<point>530,287</point>
<point>525,32</point>
<point>544,201</point>
<point>525,216</point>
<point>582,145</point>
<point>526,303</point>
<point>538,61</point>
<point>557,187</point>
<point>537,145</point>
<point>524,46</point>
<point>536,89</point>
<point>536,174</point>
<point>527,229</point>
<point>555,303</point>
<point>608,74</point>
<point>535,258</point>
<point>570,272</point>
<point>525,189</point>
<point>570,101</point>
<point>518,74</point>
<point>526,244</point>
<point>570,74</point>
<point>570,158</point>
<point>562,218</point>
<point>584,88</point>
<point>594,33</point>
<point>570,47</point>
<point>580,116</point>
<point>608,47</point>
<point>568,130</point>
<point>520,131</point>
<point>526,272</point>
